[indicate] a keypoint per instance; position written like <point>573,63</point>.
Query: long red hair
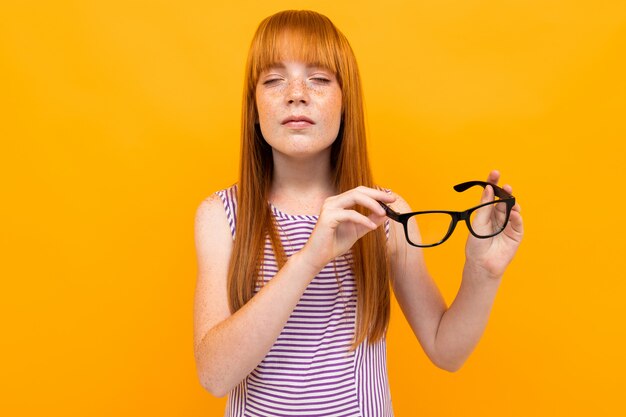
<point>309,37</point>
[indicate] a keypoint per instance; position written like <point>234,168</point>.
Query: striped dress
<point>309,371</point>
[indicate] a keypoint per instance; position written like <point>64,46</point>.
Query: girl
<point>296,260</point>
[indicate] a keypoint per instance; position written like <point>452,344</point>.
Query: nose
<point>297,92</point>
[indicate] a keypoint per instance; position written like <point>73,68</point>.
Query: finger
<point>494,176</point>
<point>499,216</point>
<point>357,198</point>
<point>363,196</point>
<point>487,194</point>
<point>508,188</point>
<point>482,218</point>
<point>354,216</point>
<point>377,218</point>
<point>376,194</point>
<point>516,225</point>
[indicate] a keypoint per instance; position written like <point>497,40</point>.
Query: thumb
<point>482,216</point>
<point>487,195</point>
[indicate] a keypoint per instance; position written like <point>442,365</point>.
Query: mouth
<point>297,122</point>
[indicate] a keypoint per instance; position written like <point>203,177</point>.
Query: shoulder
<point>216,205</point>
<point>223,201</point>
<point>209,213</point>
<point>208,208</point>
<point>212,231</point>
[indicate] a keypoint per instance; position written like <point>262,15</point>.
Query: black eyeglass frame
<point>456,216</point>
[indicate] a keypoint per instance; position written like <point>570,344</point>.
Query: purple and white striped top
<point>309,371</point>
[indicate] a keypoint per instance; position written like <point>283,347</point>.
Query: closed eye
<point>321,80</point>
<point>270,81</point>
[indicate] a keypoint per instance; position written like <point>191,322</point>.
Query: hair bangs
<point>296,36</point>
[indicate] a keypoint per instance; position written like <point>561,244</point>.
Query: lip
<point>297,122</point>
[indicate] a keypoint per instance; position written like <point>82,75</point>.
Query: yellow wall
<point>119,117</point>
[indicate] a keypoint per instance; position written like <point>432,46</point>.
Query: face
<point>299,108</point>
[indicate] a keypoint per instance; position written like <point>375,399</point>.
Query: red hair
<point>309,37</point>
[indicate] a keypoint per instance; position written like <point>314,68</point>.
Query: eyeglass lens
<point>432,228</point>
<point>490,219</point>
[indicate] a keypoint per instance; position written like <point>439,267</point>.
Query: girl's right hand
<point>339,226</point>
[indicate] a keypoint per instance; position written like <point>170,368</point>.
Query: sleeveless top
<point>309,371</point>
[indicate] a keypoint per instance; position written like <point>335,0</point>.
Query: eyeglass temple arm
<point>393,215</point>
<point>499,192</point>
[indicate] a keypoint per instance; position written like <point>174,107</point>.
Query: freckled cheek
<point>332,111</point>
<point>267,112</point>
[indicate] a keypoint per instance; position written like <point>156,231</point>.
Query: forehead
<point>297,46</point>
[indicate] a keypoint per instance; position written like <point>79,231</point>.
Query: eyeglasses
<point>431,228</point>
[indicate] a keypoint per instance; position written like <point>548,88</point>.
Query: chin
<point>302,153</point>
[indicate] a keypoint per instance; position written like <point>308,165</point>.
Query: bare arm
<point>228,347</point>
<point>449,335</point>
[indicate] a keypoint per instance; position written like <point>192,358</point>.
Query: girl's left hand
<point>493,255</point>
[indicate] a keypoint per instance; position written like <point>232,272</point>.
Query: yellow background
<point>119,117</point>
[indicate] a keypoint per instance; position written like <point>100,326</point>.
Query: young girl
<point>296,260</point>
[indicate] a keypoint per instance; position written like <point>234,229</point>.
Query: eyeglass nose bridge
<point>463,215</point>
<point>459,216</point>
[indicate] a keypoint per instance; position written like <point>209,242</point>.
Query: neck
<point>301,184</point>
